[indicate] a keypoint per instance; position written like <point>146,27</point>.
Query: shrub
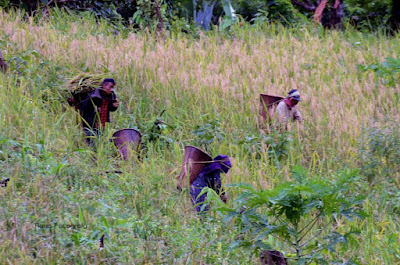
<point>276,144</point>
<point>368,14</point>
<point>300,214</point>
<point>389,70</point>
<point>207,133</point>
<point>379,152</point>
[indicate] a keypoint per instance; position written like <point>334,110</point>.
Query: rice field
<point>60,198</point>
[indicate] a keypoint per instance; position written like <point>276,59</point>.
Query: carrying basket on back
<point>268,105</point>
<point>194,161</point>
<point>126,141</point>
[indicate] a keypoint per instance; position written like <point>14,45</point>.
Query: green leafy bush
<point>146,14</point>
<point>276,144</point>
<point>156,130</point>
<point>248,9</point>
<point>267,11</point>
<point>301,214</point>
<point>389,70</point>
<point>368,14</point>
<point>207,133</point>
<point>379,152</point>
<point>106,9</point>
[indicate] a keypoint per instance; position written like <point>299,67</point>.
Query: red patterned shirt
<point>103,112</point>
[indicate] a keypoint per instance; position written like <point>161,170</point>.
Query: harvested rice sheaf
<point>83,83</point>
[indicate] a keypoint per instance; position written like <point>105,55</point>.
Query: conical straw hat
<point>126,140</point>
<point>194,161</point>
<point>268,104</point>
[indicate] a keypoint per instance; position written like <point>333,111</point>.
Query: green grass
<point>56,179</point>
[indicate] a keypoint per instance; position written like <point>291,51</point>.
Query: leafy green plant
<point>379,152</point>
<point>302,214</point>
<point>4,3</point>
<point>260,17</point>
<point>105,9</point>
<point>283,11</point>
<point>260,12</point>
<point>389,70</point>
<point>207,133</point>
<point>249,9</point>
<point>150,14</point>
<point>368,14</point>
<point>155,130</point>
<point>276,144</point>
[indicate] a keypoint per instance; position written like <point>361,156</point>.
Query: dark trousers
<point>90,136</point>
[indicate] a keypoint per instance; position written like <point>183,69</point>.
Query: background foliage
<point>362,14</point>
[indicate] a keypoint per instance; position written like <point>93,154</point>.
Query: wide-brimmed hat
<point>294,94</point>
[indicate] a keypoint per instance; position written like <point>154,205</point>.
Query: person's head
<point>224,161</point>
<point>108,85</point>
<point>294,96</point>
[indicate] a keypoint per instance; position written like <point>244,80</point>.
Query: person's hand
<point>224,198</point>
<point>116,104</point>
<point>71,101</point>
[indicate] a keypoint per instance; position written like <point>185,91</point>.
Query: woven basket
<point>127,140</point>
<point>268,105</point>
<point>194,161</point>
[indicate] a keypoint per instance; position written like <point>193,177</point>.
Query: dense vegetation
<point>339,177</point>
<point>185,14</point>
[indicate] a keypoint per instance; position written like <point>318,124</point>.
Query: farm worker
<point>287,109</point>
<point>210,177</point>
<point>95,109</point>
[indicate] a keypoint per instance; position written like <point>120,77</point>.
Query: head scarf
<point>294,94</point>
<point>220,162</point>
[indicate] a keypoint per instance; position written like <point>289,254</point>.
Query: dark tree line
<point>330,13</point>
<point>395,19</point>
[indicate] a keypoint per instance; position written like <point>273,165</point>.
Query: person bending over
<point>287,109</point>
<point>210,177</point>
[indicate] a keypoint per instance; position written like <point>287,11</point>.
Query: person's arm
<point>297,116</point>
<point>217,185</point>
<point>299,123</point>
<point>71,101</point>
<point>113,106</point>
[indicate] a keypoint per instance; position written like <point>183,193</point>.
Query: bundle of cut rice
<point>77,88</point>
<point>83,83</point>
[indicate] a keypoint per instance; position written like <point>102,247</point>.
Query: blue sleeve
<point>214,181</point>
